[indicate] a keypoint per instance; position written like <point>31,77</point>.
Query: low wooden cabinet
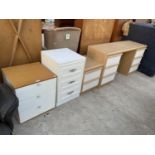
<point>35,87</point>
<point>92,74</point>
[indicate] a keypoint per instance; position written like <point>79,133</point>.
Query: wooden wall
<point>117,30</point>
<point>94,31</point>
<point>20,42</point>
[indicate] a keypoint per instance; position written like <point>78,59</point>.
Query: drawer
<point>29,102</point>
<point>110,70</point>
<point>108,79</point>
<point>71,70</point>
<point>36,89</point>
<point>114,60</point>
<point>139,53</point>
<point>67,98</point>
<point>68,91</point>
<point>133,68</point>
<point>89,85</point>
<point>94,74</point>
<point>136,61</point>
<point>69,81</point>
<point>35,106</point>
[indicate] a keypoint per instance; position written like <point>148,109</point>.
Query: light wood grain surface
<point>117,47</point>
<point>91,64</point>
<point>23,75</point>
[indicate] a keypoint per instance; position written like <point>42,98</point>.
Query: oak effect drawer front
<point>136,61</point>
<point>139,53</point>
<point>35,89</point>
<point>114,60</point>
<point>110,70</point>
<point>89,85</point>
<point>34,106</point>
<point>107,79</point>
<point>92,75</point>
<point>133,68</point>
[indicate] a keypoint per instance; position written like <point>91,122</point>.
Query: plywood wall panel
<point>20,41</point>
<point>94,31</point>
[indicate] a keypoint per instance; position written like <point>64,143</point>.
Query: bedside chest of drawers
<point>92,74</point>
<point>123,56</point>
<point>69,68</point>
<point>35,87</point>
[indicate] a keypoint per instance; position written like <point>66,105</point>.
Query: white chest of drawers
<point>69,68</point>
<point>35,87</point>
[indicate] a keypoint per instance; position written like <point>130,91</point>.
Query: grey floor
<point>125,106</point>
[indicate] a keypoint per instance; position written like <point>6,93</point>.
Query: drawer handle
<point>38,96</point>
<point>39,107</point>
<point>71,92</point>
<point>72,70</point>
<point>71,82</point>
<point>38,84</point>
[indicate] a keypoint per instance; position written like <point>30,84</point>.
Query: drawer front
<point>35,89</point>
<point>114,60</point>
<point>136,61</point>
<point>71,70</point>
<point>69,81</point>
<point>139,53</point>
<point>92,75</point>
<point>67,99</point>
<point>35,106</point>
<point>89,85</point>
<point>68,91</point>
<point>133,68</point>
<point>110,70</point>
<point>107,79</point>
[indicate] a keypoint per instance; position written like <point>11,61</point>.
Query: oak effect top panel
<point>23,75</point>
<point>117,47</point>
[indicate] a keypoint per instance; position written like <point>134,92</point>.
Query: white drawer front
<point>67,99</point>
<point>92,75</point>
<point>139,53</point>
<point>35,106</point>
<point>107,79</point>
<point>110,70</point>
<point>71,70</point>
<point>69,81</point>
<point>133,68</point>
<point>136,61</point>
<point>68,91</point>
<point>114,60</point>
<point>90,85</point>
<point>35,89</point>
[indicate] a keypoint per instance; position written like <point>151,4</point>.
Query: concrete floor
<point>125,106</point>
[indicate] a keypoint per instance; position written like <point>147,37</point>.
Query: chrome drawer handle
<point>71,92</point>
<point>39,107</point>
<point>38,84</point>
<point>72,70</point>
<point>71,82</point>
<point>38,96</point>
